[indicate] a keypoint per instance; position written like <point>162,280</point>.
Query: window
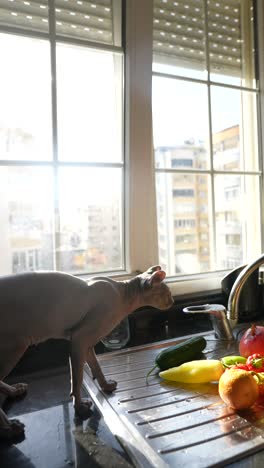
<point>184,223</point>
<point>183,208</point>
<point>233,239</point>
<point>205,100</point>
<point>25,261</point>
<point>231,217</point>
<point>90,111</point>
<point>185,239</point>
<point>181,162</point>
<point>61,135</point>
<point>183,192</point>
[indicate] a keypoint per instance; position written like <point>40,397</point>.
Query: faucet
<point>221,325</point>
<point>224,321</point>
<point>233,300</point>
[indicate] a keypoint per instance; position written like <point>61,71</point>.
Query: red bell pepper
<point>255,363</point>
<point>241,366</point>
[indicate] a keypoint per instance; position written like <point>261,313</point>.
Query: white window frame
<point>140,218</point>
<point>55,163</point>
<point>140,199</point>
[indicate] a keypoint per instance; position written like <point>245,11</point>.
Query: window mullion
<point>141,239</point>
<point>52,37</point>
<point>260,36</point>
<point>117,28</point>
<point>212,180</point>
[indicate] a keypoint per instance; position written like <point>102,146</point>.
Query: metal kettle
<point>251,297</point>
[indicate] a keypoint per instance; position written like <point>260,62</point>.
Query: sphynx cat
<point>37,306</point>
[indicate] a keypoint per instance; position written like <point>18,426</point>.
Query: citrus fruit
<point>238,388</point>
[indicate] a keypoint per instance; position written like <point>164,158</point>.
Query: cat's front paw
<point>18,390</point>
<point>109,386</point>
<point>13,429</point>
<point>83,409</point>
<point>13,391</point>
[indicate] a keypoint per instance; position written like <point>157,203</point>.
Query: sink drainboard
<point>166,424</point>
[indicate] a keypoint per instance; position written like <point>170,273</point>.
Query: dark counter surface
<point>54,438</point>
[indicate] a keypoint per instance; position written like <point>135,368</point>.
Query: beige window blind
<point>92,21</point>
<point>181,29</point>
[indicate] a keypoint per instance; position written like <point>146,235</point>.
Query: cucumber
<point>178,354</point>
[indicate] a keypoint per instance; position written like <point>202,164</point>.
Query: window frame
<point>139,210</point>
<point>55,163</point>
<point>141,228</point>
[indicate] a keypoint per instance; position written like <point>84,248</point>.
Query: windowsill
<point>194,285</point>
<point>181,286</point>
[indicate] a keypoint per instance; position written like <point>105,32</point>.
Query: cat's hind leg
<point>10,354</point>
<point>11,350</point>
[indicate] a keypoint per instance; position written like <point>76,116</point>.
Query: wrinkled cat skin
<point>37,306</point>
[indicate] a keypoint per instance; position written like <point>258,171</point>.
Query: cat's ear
<point>157,277</point>
<point>152,269</point>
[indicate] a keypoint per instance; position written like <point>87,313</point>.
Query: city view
<point>78,237</point>
<point>184,206</point>
<point>62,170</point>
<point>84,233</point>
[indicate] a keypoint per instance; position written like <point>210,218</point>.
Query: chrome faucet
<point>221,325</point>
<point>233,300</point>
<point>224,321</point>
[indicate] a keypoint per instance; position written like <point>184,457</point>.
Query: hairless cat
<point>40,305</point>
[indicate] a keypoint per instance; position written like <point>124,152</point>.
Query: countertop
<point>51,429</point>
<point>164,424</point>
<point>54,437</point>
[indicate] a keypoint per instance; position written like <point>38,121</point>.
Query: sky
<point>88,107</point>
<point>180,110</point>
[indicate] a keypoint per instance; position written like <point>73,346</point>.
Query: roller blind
<point>81,19</point>
<point>181,27</point>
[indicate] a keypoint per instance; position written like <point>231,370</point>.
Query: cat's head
<point>155,291</point>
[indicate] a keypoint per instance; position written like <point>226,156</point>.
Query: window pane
<point>25,15</point>
<point>26,219</point>
<point>92,21</point>
<point>231,42</point>
<point>89,104</point>
<point>237,219</point>
<point>96,21</point>
<point>234,130</point>
<point>184,222</point>
<point>180,124</point>
<point>90,207</point>
<point>179,32</point>
<point>25,97</point>
<point>179,38</point>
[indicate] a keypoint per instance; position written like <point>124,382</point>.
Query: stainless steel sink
<point>168,424</point>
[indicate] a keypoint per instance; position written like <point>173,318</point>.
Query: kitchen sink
<point>163,424</point>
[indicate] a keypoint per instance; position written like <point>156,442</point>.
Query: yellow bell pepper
<point>195,372</point>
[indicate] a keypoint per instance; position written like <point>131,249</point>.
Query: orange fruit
<point>238,388</point>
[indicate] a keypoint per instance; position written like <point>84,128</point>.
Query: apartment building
<point>229,224</point>
<point>86,240</point>
<point>184,207</point>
